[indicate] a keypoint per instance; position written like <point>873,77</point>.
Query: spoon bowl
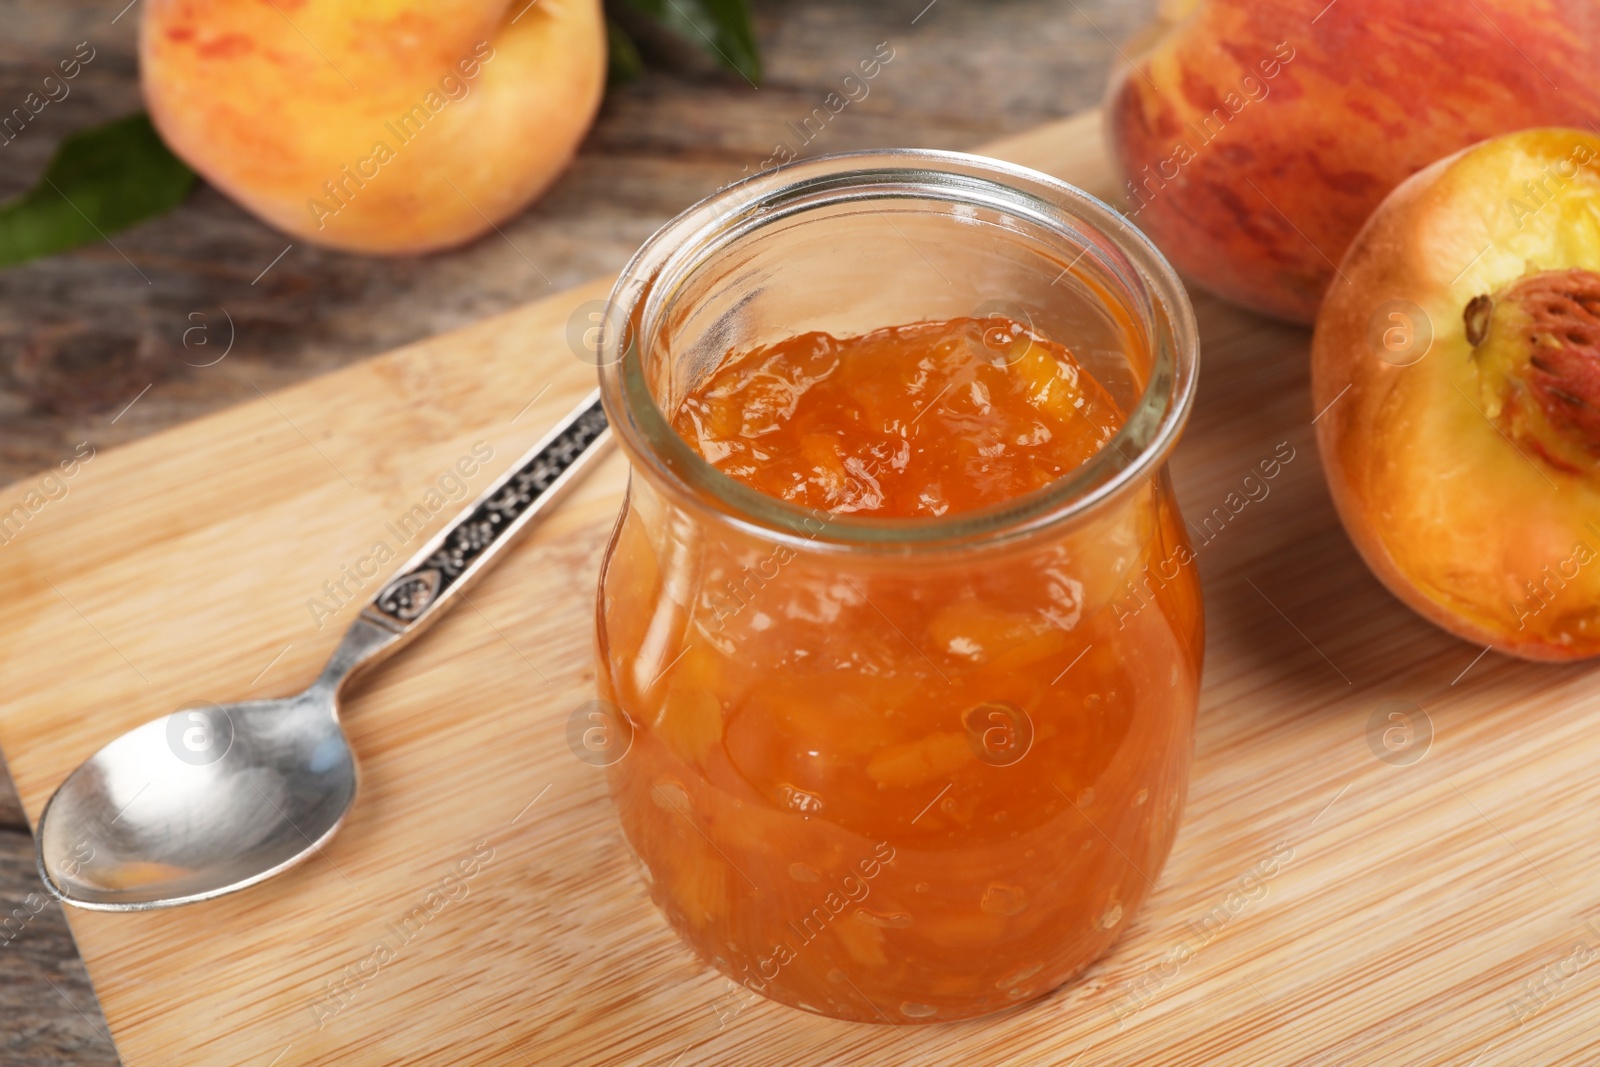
<point>206,800</point>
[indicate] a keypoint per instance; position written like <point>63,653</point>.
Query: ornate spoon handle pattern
<point>427,584</point>
<point>492,522</point>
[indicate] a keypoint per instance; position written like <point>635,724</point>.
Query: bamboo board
<point>1415,912</point>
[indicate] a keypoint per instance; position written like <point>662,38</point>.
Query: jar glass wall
<point>900,770</point>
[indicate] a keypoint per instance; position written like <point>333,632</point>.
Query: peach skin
<point>1457,377</point>
<point>379,126</point>
<point>1256,136</point>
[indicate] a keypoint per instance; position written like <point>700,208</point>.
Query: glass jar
<point>899,770</point>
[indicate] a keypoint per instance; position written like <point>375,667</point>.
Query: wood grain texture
<point>1408,909</point>
<point>37,951</point>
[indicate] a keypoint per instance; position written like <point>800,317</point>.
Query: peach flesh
<point>1467,470</point>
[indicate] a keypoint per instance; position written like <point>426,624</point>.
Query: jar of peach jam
<point>900,612</point>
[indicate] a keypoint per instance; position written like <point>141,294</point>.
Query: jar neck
<point>818,245</point>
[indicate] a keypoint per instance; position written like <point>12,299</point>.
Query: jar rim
<point>676,250</point>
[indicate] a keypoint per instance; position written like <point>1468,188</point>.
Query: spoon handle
<point>428,584</point>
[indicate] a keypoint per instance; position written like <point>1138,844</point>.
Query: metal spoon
<point>212,799</point>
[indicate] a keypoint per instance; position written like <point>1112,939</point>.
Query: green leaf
<point>623,61</point>
<point>721,27</point>
<point>100,180</point>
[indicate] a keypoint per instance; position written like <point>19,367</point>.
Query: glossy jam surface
<point>925,419</point>
<point>914,788</point>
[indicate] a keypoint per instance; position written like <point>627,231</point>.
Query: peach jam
<point>912,420</point>
<point>891,618</point>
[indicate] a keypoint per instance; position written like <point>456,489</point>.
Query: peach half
<point>380,126</point>
<point>1456,376</point>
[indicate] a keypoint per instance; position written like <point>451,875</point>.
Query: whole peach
<point>388,126</point>
<point>1457,380</point>
<point>1256,136</point>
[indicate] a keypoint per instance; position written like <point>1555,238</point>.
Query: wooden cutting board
<point>1321,906</point>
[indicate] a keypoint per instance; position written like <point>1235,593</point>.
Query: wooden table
<point>92,349</point>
